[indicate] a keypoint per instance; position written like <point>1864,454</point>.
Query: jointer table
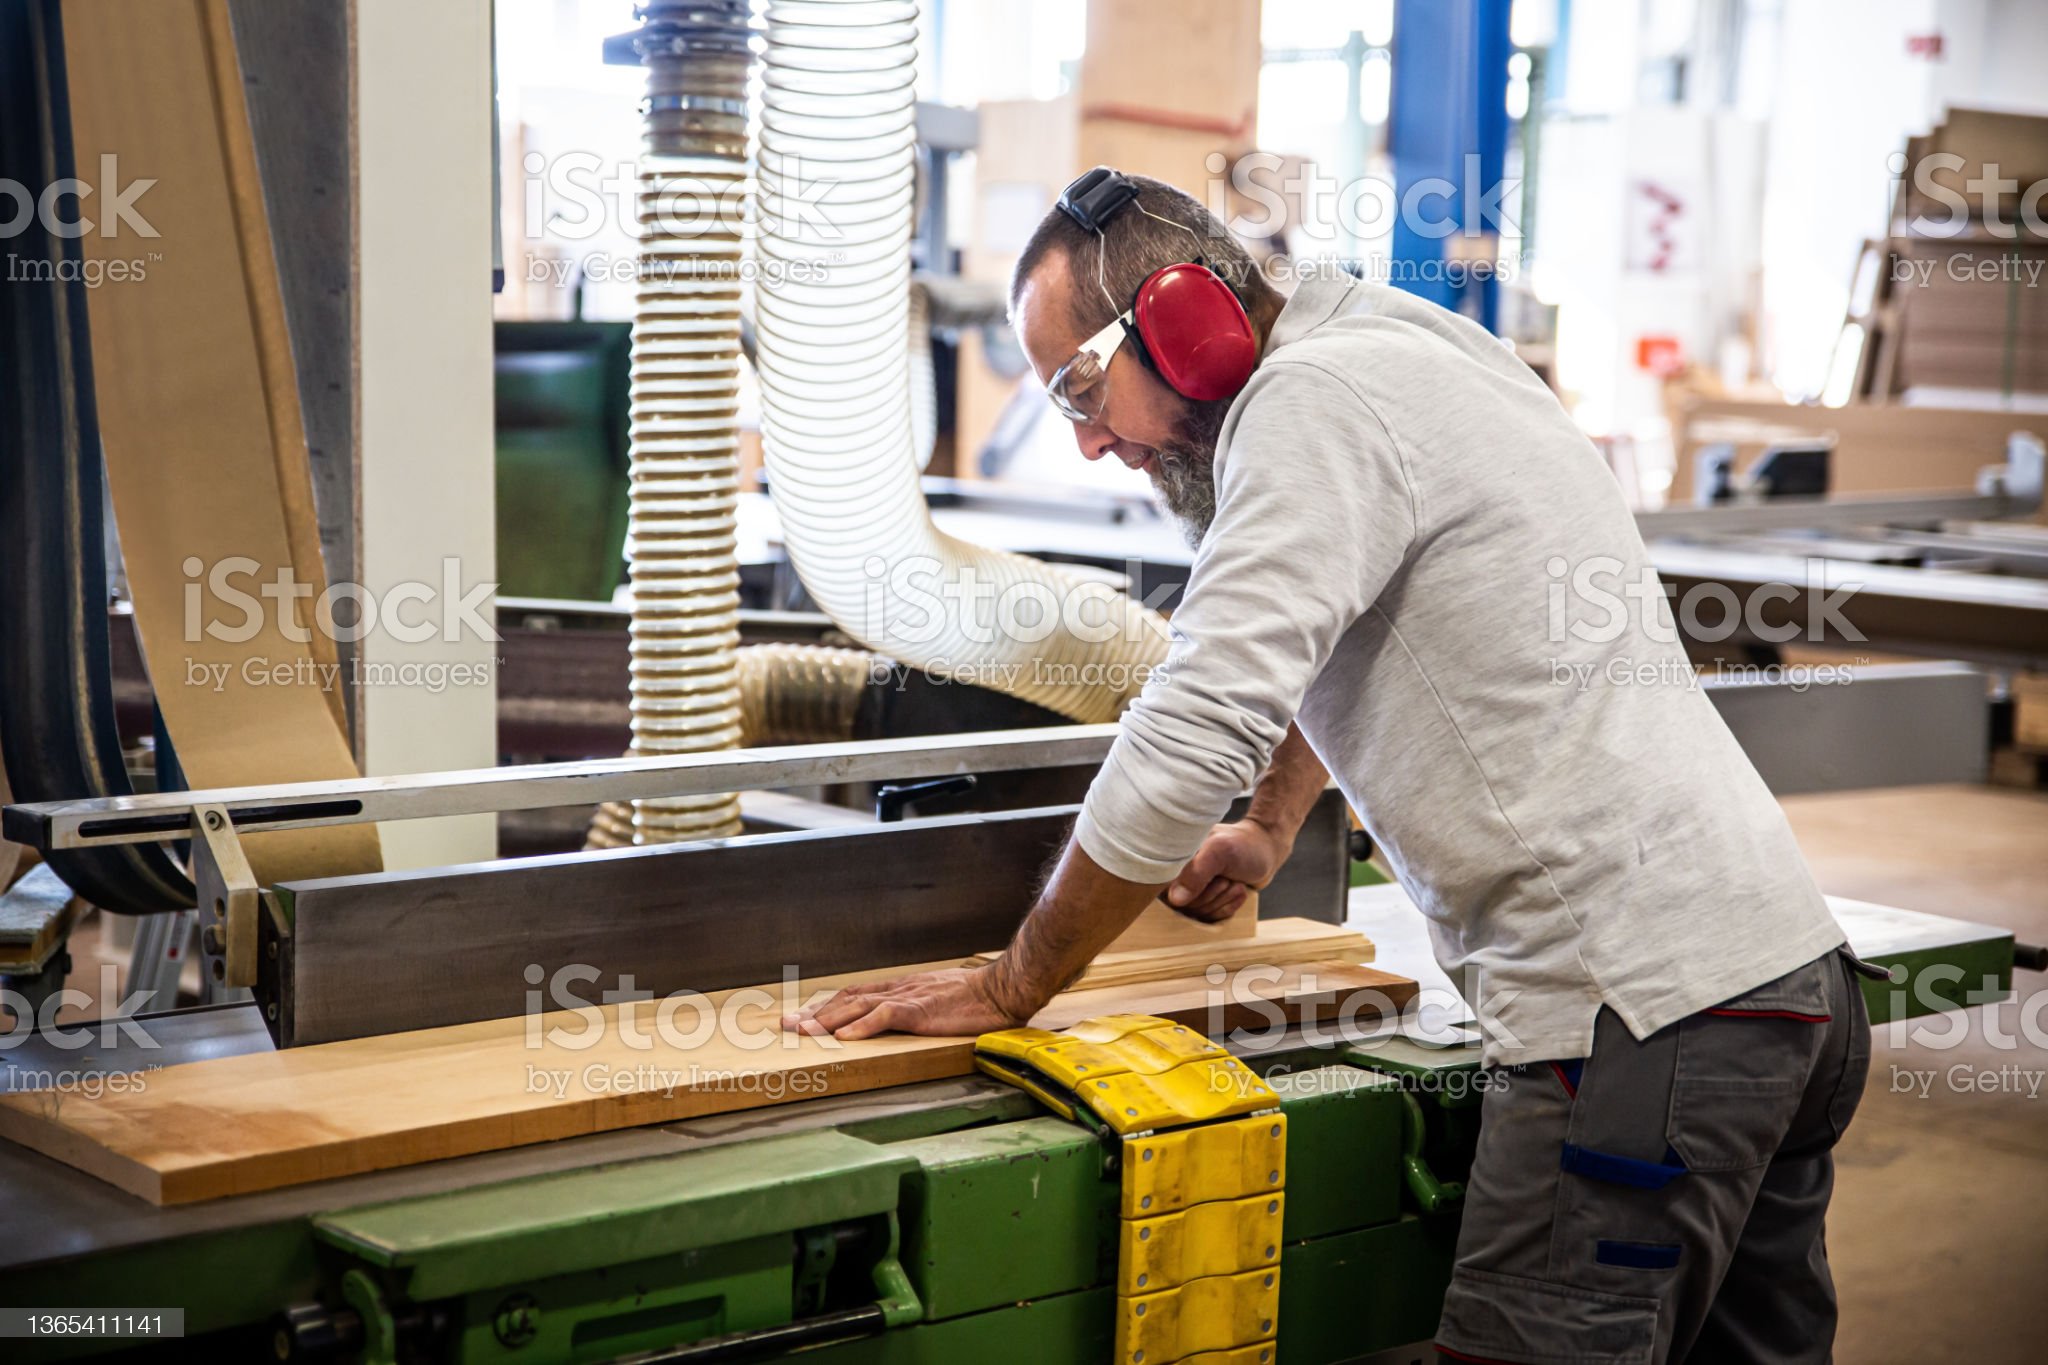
<point>935,1222</point>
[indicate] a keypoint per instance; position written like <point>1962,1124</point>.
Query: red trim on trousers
<point>1770,1014</point>
<point>1460,1355</point>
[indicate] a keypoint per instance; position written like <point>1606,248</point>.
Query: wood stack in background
<point>1955,298</point>
<point>1195,94</point>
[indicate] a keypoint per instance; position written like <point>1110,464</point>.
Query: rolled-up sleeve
<point>1314,515</point>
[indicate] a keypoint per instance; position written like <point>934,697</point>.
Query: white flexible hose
<point>831,321</point>
<point>924,387</point>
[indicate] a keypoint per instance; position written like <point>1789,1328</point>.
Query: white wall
<point>423,296</point>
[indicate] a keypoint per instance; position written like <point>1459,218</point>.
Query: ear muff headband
<point>1188,324</point>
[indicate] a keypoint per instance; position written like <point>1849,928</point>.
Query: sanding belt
<point>199,410</point>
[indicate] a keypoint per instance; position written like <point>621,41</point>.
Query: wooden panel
<point>199,414</point>
<point>1159,925</point>
<point>1196,92</point>
<point>1274,942</point>
<point>237,1124</point>
<point>36,915</point>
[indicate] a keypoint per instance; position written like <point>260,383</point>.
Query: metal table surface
<point>1399,932</point>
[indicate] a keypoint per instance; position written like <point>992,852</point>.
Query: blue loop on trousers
<point>1621,1170</point>
<point>1637,1255</point>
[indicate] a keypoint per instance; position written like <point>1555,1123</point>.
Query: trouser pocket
<point>1743,1067</point>
<point>1853,1019</point>
<point>1489,1316</point>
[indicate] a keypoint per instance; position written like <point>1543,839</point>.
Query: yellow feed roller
<point>1203,1169</point>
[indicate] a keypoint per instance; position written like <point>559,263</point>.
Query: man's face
<point>1144,423</point>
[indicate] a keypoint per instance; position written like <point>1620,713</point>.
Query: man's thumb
<point>1192,878</point>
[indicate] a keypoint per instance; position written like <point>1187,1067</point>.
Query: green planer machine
<point>955,1220</point>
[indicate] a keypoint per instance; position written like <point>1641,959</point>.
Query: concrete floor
<point>1939,1230</point>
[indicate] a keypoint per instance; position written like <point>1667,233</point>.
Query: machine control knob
<point>311,1331</point>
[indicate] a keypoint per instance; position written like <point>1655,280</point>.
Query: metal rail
<point>297,805</point>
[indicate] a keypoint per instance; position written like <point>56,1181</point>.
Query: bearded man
<point>1394,522</point>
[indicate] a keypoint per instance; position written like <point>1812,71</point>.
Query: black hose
<point>57,730</point>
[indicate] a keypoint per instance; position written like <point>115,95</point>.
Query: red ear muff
<point>1195,332</point>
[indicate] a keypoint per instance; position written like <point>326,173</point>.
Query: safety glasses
<point>1080,388</point>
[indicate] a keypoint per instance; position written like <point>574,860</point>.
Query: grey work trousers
<point>1663,1199</point>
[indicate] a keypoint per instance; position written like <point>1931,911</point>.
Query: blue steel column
<point>1449,104</point>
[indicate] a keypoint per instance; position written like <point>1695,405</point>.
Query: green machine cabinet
<point>1009,1229</point>
<point>787,1240</point>
<point>561,408</point>
<point>975,1227</point>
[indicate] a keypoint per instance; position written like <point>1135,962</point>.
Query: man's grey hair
<point>1134,244</point>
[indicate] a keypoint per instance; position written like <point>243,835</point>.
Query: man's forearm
<point>1293,781</point>
<point>1083,907</point>
<point>1081,911</point>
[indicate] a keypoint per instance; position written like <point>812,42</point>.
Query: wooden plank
<point>36,914</point>
<point>1159,925</point>
<point>1274,943</point>
<point>1325,991</point>
<point>239,1124</point>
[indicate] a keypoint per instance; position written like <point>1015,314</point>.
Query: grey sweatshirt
<point>1421,560</point>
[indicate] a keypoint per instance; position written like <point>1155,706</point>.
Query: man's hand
<point>1081,909</point>
<point>1245,856</point>
<point>1234,859</point>
<point>953,1003</point>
